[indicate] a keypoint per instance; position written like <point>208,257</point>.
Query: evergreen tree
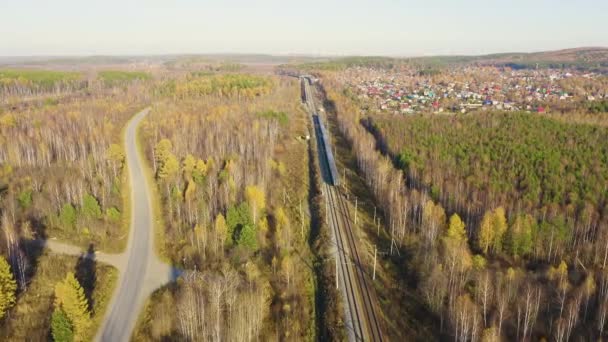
<point>70,297</point>
<point>67,216</point>
<point>61,327</point>
<point>8,287</point>
<point>236,218</point>
<point>90,207</point>
<point>248,238</point>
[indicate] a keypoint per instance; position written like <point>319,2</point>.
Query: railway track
<point>362,321</point>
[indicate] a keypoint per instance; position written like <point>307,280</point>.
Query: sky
<point>313,27</point>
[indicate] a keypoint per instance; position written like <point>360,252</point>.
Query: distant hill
<point>578,55</point>
<point>588,58</point>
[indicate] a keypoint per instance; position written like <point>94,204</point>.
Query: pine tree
<point>67,216</point>
<point>61,327</point>
<point>8,287</point>
<point>90,207</point>
<point>248,238</point>
<point>69,297</point>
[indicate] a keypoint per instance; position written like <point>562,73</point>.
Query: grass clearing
<point>116,76</point>
<point>44,78</point>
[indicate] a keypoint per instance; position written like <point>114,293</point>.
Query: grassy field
<point>116,76</point>
<point>45,78</point>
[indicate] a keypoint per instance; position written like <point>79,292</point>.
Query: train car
<point>329,156</point>
<point>303,89</point>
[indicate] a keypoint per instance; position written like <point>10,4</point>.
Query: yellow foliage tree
<point>69,296</point>
<point>499,222</point>
<point>221,229</point>
<point>256,199</point>
<point>8,287</point>
<point>486,233</point>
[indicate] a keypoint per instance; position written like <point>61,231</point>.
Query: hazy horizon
<point>222,53</point>
<point>313,28</point>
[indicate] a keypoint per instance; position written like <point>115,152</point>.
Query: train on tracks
<point>324,142</point>
<point>326,150</point>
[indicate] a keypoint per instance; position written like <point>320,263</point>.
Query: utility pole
<point>375,253</point>
<point>301,220</point>
<point>337,268</point>
<point>374,213</point>
<point>392,229</point>
<point>327,210</point>
<point>378,227</point>
<point>355,210</point>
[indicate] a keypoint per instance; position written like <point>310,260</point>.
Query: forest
<point>230,160</point>
<point>503,216</point>
<point>488,226</point>
<point>61,178</point>
<point>230,163</point>
<point>527,164</point>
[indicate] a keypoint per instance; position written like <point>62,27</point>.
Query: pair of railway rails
<point>360,307</point>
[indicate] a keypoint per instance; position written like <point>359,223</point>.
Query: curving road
<point>143,271</point>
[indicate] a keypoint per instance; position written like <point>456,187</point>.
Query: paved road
<point>143,272</point>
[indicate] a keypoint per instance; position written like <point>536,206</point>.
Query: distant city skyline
<point>315,27</point>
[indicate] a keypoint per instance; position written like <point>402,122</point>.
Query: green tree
<point>61,327</point>
<point>90,207</point>
<point>113,214</point>
<point>236,218</point>
<point>67,216</point>
<point>70,297</point>
<point>25,198</point>
<point>519,239</point>
<point>8,287</point>
<point>247,237</point>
